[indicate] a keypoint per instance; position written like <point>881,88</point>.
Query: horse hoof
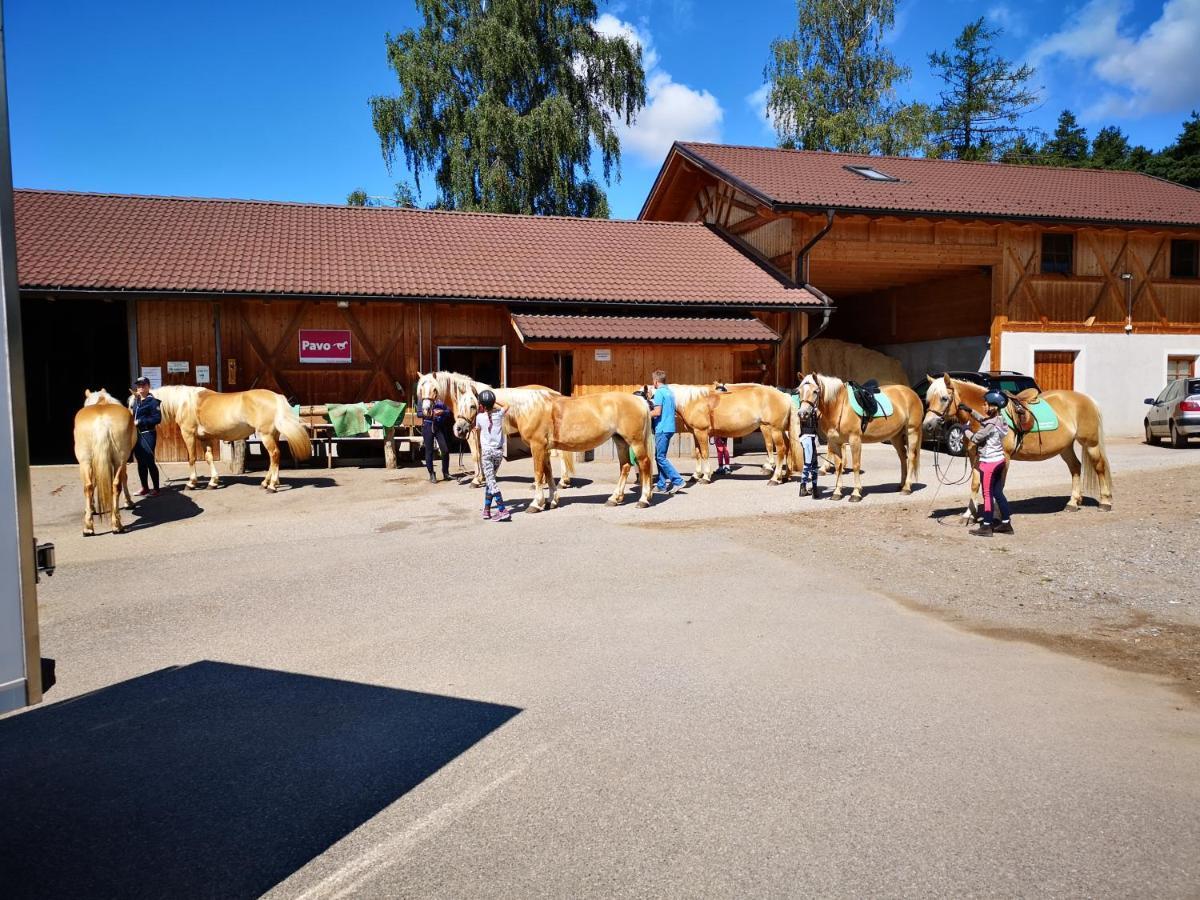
<point>1105,507</point>
<point>120,530</point>
<point>836,496</point>
<point>611,501</point>
<point>89,534</point>
<point>642,504</point>
<point>855,498</point>
<point>534,509</point>
<point>906,490</point>
<point>1073,507</point>
<point>774,482</point>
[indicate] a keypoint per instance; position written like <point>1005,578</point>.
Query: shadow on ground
<point>287,482</point>
<point>1031,506</point>
<point>171,505</point>
<point>211,779</point>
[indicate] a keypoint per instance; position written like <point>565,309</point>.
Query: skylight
<point>868,172</point>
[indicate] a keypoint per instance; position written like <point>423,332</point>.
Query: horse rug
<point>1044,416</point>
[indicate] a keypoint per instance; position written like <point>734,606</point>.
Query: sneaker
<point>432,478</point>
<point>503,516</point>
<point>804,491</point>
<point>1003,528</point>
<point>983,530</point>
<point>487,515</point>
<point>144,492</point>
<point>676,488</point>
<point>154,493</point>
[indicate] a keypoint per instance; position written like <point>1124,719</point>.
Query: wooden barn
<point>341,304</point>
<point>1083,278</point>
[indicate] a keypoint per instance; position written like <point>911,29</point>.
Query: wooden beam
<point>269,359</point>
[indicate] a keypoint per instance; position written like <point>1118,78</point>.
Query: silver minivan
<point>1174,413</point>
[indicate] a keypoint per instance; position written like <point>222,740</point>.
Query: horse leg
<point>548,479</point>
<point>189,441</point>
<point>856,452</point>
<point>89,499</point>
<point>1099,463</point>
<point>839,466</point>
<point>900,443</point>
<point>213,480</point>
<point>970,515</point>
<point>780,456</point>
<point>125,486</point>
<point>643,463</point>
<point>701,475</point>
<point>271,482</point>
<point>568,468</point>
<point>477,459</point>
<point>1076,467</point>
<point>623,467</point>
<point>115,517</point>
<point>541,459</point>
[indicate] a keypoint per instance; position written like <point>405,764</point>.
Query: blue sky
<point>268,100</point>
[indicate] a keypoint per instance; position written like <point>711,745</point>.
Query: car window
<point>1177,394</point>
<point>1016,385</point>
<point>1165,394</point>
<point>1193,387</point>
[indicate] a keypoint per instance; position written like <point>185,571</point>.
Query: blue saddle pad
<point>883,404</point>
<point>1044,416</point>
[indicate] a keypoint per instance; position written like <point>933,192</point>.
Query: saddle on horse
<point>1022,416</point>
<point>865,395</point>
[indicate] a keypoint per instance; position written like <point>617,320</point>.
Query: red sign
<point>324,346</point>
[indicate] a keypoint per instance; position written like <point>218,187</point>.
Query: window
<point>1180,367</point>
<point>1058,251</point>
<point>1185,259</point>
<point>868,172</point>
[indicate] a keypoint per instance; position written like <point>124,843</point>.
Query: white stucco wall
<point>1118,370</point>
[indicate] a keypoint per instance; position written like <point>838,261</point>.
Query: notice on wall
<point>154,373</point>
<point>322,345</point>
<point>178,367</point>
<point>603,355</point>
<point>202,375</point>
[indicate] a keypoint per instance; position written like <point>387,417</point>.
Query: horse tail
<point>1091,478</point>
<point>288,424</point>
<point>795,457</point>
<point>106,457</point>
<point>915,434</point>
<point>648,436</point>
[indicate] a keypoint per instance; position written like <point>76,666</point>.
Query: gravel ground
<point>357,688</point>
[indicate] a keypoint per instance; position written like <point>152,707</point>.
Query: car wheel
<point>1150,438</point>
<point>956,444</point>
<point>1177,439</point>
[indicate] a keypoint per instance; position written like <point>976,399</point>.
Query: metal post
<point>20,660</point>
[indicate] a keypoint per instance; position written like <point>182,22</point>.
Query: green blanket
<point>883,404</point>
<point>387,413</point>
<point>1044,417</point>
<point>347,419</point>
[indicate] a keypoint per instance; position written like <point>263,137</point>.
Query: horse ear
<point>946,379</point>
<point>86,393</point>
<point>929,378</point>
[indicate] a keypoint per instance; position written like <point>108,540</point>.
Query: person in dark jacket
<point>808,444</point>
<point>435,417</point>
<point>146,416</point>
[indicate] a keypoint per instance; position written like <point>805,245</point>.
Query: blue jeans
<point>808,443</point>
<point>666,471</point>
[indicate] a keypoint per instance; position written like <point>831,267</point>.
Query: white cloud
<point>757,101</point>
<point>1010,21</point>
<point>673,111</point>
<point>1152,72</point>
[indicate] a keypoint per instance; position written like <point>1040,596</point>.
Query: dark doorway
<point>566,374</point>
<point>481,363</point>
<point>70,346</point>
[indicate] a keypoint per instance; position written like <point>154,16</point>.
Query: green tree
<point>1021,150</point>
<point>832,82</point>
<point>404,195</point>
<point>505,103</point>
<point>1180,162</point>
<point>1068,146</point>
<point>357,197</point>
<point>1110,149</point>
<point>979,111</point>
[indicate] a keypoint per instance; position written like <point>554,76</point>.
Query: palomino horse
<point>574,425</point>
<point>1079,421</point>
<point>843,431</point>
<point>104,438</point>
<point>457,390</point>
<point>738,410</point>
<point>206,417</point>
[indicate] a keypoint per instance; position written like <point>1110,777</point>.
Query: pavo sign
<point>323,346</point>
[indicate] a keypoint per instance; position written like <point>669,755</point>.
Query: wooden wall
<point>958,306</point>
<point>632,365</point>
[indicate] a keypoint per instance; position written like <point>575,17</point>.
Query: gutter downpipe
<point>802,278</point>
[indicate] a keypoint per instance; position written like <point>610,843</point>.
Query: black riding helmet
<point>487,399</point>
<point>995,398</point>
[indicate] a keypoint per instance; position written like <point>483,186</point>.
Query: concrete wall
<point>1117,370</point>
<point>923,357</point>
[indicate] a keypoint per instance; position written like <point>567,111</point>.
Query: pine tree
<point>984,99</point>
<point>1021,151</point>
<point>357,197</point>
<point>1110,149</point>
<point>1069,144</point>
<point>832,82</point>
<point>505,102</point>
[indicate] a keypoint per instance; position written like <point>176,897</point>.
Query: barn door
<point>1054,370</point>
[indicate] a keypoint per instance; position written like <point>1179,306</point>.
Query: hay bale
<point>852,362</point>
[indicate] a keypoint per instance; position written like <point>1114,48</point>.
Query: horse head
<point>809,391</point>
<point>427,391</point>
<point>466,408</point>
<point>941,401</point>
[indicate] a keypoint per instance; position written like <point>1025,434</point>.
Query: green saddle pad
<point>882,400</point>
<point>1044,416</point>
<point>386,413</point>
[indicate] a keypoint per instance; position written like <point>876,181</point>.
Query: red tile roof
<point>120,242</point>
<point>820,180</point>
<point>642,328</point>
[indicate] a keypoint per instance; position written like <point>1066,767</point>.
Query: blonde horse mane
<point>175,398</point>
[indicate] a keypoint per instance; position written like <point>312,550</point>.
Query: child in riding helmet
<point>490,422</point>
<point>989,439</point>
<point>808,443</point>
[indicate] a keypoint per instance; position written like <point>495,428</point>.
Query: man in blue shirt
<point>663,414</point>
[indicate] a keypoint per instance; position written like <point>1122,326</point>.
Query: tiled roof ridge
<point>927,159</point>
<point>304,204</point>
